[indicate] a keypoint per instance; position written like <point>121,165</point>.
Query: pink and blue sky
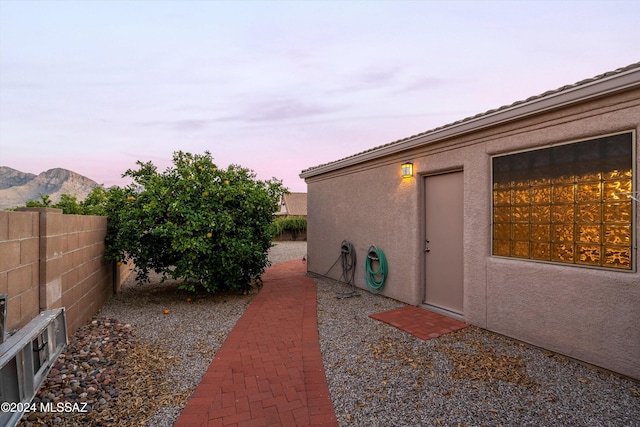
<point>277,86</point>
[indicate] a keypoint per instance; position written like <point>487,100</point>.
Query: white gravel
<point>381,376</point>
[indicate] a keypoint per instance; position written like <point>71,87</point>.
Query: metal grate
<point>26,358</point>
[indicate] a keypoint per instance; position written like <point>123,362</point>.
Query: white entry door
<point>443,243</point>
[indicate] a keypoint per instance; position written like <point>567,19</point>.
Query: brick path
<point>269,370</point>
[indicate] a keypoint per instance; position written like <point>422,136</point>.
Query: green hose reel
<point>375,279</point>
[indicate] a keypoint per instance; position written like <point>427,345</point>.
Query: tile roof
<point>296,204</point>
<point>486,114</point>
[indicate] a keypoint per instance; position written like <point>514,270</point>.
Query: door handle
<point>426,246</point>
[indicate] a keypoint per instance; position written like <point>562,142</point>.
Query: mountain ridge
<point>17,188</point>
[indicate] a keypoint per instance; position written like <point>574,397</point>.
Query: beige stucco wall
<point>361,208</point>
<point>586,313</point>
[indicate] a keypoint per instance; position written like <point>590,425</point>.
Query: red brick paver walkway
<point>269,370</point>
<point>419,322</point>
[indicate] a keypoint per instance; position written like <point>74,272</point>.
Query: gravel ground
<point>193,331</point>
<point>134,364</point>
<point>381,376</point>
<point>378,375</point>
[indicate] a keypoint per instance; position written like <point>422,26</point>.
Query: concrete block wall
<point>20,266</point>
<point>50,260</point>
<point>86,277</point>
<point>122,272</point>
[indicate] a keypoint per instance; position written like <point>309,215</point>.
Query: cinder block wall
<point>19,265</point>
<point>50,260</point>
<point>87,279</point>
<point>122,272</point>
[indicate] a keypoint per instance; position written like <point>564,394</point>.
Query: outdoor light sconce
<point>407,170</point>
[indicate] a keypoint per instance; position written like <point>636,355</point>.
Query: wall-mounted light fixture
<point>407,170</point>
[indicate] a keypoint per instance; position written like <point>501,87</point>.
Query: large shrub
<point>195,221</point>
<point>293,225</point>
<point>93,204</point>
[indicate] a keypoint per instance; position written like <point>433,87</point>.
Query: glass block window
<point>567,203</point>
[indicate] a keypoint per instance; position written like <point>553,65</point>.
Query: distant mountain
<point>17,188</point>
<point>12,178</point>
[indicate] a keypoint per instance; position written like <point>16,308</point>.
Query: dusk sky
<point>277,86</point>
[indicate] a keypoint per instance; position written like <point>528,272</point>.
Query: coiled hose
<point>348,261</point>
<point>375,279</point>
<point>348,258</point>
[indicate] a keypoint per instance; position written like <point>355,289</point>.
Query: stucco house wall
<point>590,314</point>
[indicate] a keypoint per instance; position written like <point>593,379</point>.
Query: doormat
<point>419,322</point>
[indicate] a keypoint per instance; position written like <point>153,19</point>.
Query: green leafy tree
<point>96,202</point>
<point>44,202</point>
<point>195,221</point>
<point>69,205</point>
<point>93,204</point>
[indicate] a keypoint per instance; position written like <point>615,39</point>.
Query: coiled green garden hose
<point>375,279</point>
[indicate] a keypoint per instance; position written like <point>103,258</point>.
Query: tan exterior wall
<point>586,313</point>
<point>50,260</point>
<point>361,208</point>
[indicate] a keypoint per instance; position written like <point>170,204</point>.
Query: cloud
<point>265,111</point>
<point>423,83</point>
<point>379,76</point>
<point>281,110</point>
<point>369,78</point>
<point>189,125</point>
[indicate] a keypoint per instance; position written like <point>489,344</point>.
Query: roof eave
<point>581,93</point>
